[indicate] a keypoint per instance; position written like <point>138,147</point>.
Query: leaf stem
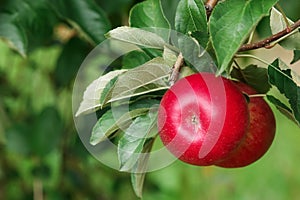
<point>263,61</point>
<point>266,42</point>
<point>251,56</point>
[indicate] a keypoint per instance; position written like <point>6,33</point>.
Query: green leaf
<point>169,9</point>
<point>23,26</point>
<point>137,179</point>
<point>132,143</point>
<point>150,14</point>
<point>284,109</point>
<point>287,83</point>
<point>46,133</point>
<point>93,93</point>
<point>191,19</point>
<point>169,56</point>
<point>137,36</point>
<point>254,76</point>
<point>230,24</point>
<point>296,56</point>
<point>278,24</point>
<point>70,59</point>
<point>196,55</point>
<point>134,59</point>
<point>119,118</point>
<point>149,77</point>
<point>85,16</point>
<point>13,34</point>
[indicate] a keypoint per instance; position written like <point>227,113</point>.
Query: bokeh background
<point>42,157</point>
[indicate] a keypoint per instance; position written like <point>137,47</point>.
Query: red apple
<point>259,136</point>
<point>203,118</point>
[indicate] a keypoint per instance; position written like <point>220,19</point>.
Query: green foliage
<point>85,16</point>
<point>254,76</point>
<point>149,14</point>
<point>284,79</point>
<point>190,19</point>
<point>277,24</point>
<point>230,24</point>
<point>40,150</point>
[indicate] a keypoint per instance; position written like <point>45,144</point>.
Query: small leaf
<point>296,56</point>
<point>191,18</point>
<point>134,59</point>
<point>119,118</point>
<point>91,97</point>
<point>137,36</point>
<point>230,24</point>
<point>137,179</point>
<point>150,14</point>
<point>149,77</point>
<point>285,110</point>
<point>283,78</point>
<point>13,34</point>
<point>254,76</point>
<point>169,56</point>
<point>196,55</point>
<point>132,143</point>
<point>85,16</point>
<point>278,24</point>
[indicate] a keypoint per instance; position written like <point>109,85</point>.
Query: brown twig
<point>209,6</point>
<point>266,42</point>
<point>176,68</point>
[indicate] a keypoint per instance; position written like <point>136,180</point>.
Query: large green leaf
<point>287,83</point>
<point>137,36</point>
<point>93,98</point>
<point>132,143</point>
<point>231,23</point>
<point>150,14</point>
<point>86,16</point>
<point>255,76</point>
<point>119,118</point>
<point>190,18</point>
<point>278,24</point>
<point>149,77</point>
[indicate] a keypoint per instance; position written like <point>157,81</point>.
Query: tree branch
<point>209,6</point>
<point>266,42</point>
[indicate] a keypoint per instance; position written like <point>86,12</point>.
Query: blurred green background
<point>42,157</point>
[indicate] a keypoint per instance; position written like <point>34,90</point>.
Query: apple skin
<point>259,136</point>
<point>202,118</point>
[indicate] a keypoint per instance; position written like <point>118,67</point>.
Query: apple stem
<point>175,70</point>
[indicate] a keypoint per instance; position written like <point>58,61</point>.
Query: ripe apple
<point>259,136</point>
<point>203,118</point>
